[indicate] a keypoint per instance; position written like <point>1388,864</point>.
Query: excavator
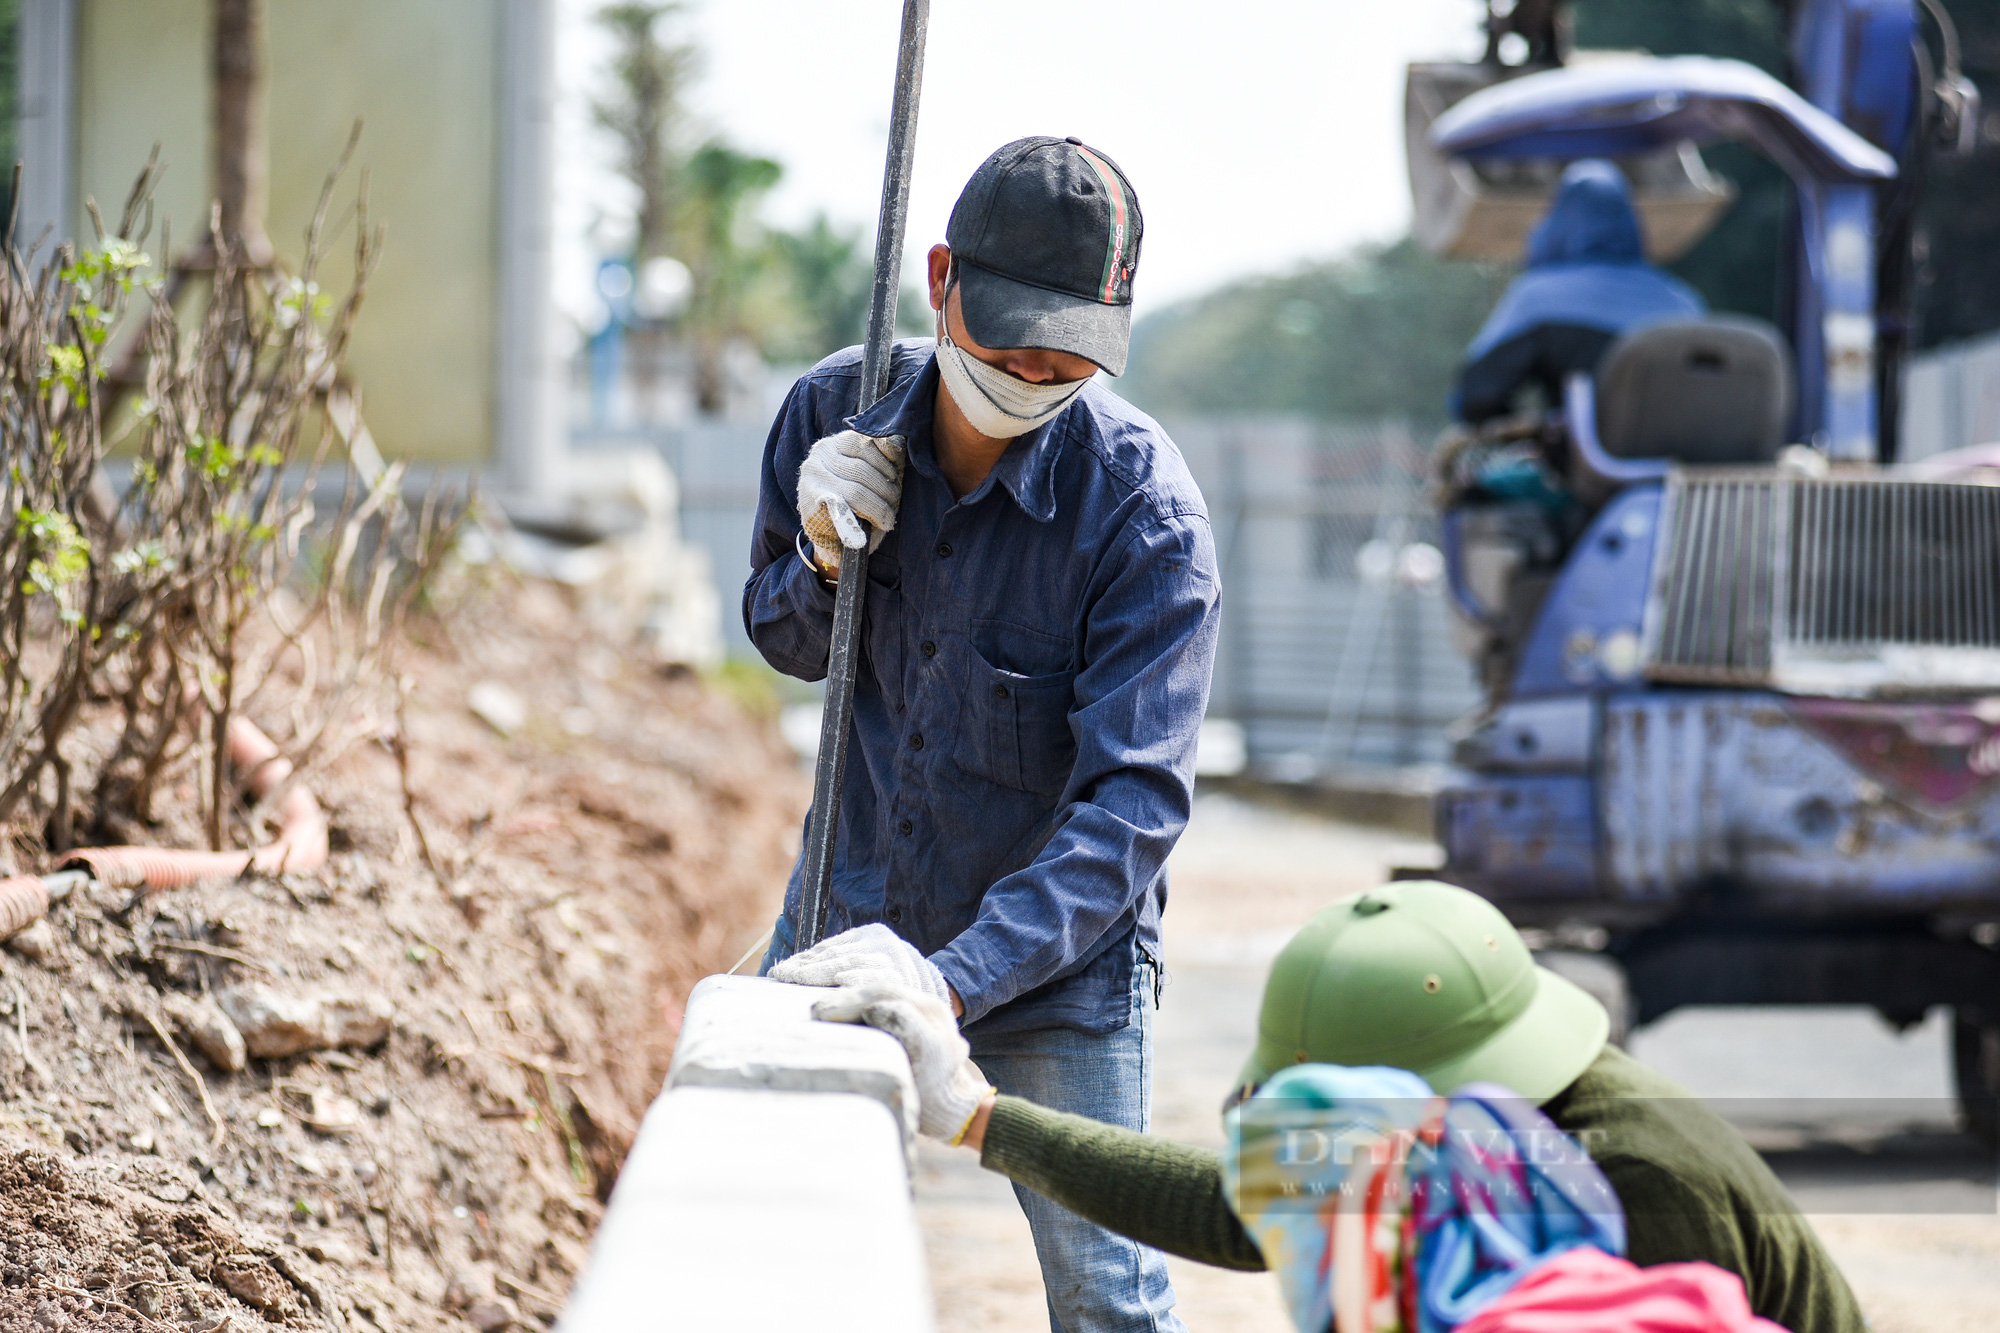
<point>1741,729</point>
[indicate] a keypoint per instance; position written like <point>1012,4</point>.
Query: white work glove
<point>949,1086</point>
<point>870,955</point>
<point>847,479</point>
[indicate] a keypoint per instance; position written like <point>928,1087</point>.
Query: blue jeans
<point>1097,1281</point>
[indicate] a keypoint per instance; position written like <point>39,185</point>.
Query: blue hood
<point>1586,267</point>
<point>1591,221</point>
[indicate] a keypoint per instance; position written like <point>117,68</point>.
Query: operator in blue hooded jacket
<point>1587,284</point>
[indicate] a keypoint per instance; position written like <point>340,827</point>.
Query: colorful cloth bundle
<point>1500,1190</point>
<point>1384,1208</point>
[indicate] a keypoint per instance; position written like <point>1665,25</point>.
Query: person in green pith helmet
<point>1426,977</point>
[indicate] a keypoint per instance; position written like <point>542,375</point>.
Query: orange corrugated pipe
<point>24,900</point>
<point>300,845</point>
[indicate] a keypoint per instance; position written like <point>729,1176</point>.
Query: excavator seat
<point>1706,391</point>
<point>1699,391</point>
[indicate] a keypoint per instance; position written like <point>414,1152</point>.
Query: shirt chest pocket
<point>1015,729</point>
<point>882,630</point>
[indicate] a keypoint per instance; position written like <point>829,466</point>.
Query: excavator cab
<point>1714,391</point>
<point>1742,719</point>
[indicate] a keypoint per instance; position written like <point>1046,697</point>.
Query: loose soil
<point>629,838</point>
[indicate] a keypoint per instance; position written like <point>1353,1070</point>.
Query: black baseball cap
<point>1045,238</point>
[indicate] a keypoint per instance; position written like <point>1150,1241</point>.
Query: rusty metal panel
<point>1658,801</point>
<point>1521,837</point>
<point>1776,804</point>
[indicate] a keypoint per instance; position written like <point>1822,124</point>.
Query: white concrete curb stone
<point>750,1032</point>
<point>769,1185</point>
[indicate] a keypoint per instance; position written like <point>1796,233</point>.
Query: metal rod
<point>837,720</point>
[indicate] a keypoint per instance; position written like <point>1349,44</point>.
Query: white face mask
<point>997,404</point>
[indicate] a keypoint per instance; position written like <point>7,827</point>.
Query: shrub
<point>161,604</point>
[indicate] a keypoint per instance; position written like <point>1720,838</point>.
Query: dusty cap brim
<point>1537,1055</point>
<point>1000,312</point>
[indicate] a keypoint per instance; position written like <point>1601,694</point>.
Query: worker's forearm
<point>788,614</point>
<point>1039,921</point>
<point>1161,1193</point>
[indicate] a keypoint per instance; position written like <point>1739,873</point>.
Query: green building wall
<point>426,77</point>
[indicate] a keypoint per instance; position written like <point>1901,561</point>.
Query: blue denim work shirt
<point>1035,666</point>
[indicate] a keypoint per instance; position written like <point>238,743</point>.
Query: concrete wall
<point>427,79</point>
<point>769,1186</point>
<point>1951,398</point>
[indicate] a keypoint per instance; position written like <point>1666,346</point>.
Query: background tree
<point>795,296</point>
<point>727,255</point>
<point>241,161</point>
<point>644,112</point>
<point>1377,333</point>
<point>830,277</point>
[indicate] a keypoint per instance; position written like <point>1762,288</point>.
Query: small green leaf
<point>61,553</point>
<point>145,555</point>
<point>65,370</point>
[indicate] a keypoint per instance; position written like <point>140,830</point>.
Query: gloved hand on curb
<point>949,1086</point>
<point>848,478</point>
<point>870,955</point>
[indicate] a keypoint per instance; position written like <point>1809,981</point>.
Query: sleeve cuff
<point>804,582</point>
<point>970,973</point>
<point>1014,1129</point>
<point>811,562</point>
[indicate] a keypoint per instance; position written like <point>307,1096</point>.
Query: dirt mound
<point>526,954</point>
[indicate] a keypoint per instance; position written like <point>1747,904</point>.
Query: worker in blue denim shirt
<point>1038,635</point>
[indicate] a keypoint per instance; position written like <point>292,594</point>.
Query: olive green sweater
<point>1691,1187</point>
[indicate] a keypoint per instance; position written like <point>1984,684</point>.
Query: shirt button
<point>916,742</point>
<point>905,828</point>
<point>930,649</point>
<point>999,691</point>
<point>943,549</point>
<point>895,914</point>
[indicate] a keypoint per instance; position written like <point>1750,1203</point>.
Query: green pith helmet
<point>1430,978</point>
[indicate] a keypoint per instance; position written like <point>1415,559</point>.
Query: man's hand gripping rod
<point>836,723</point>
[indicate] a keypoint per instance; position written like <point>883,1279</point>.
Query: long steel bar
<point>837,720</point>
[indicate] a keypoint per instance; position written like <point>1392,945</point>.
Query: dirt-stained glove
<point>847,479</point>
<point>870,955</point>
<point>949,1086</point>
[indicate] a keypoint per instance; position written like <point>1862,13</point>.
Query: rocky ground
<point>448,1049</point>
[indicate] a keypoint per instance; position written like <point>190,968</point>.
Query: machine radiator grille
<point>1894,562</point>
<point>1713,608</point>
<point>1837,586</point>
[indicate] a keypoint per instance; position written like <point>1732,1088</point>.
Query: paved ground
<point>1854,1117</point>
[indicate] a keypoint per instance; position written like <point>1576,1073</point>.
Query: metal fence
<point>1336,644</point>
<point>1337,649</point>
